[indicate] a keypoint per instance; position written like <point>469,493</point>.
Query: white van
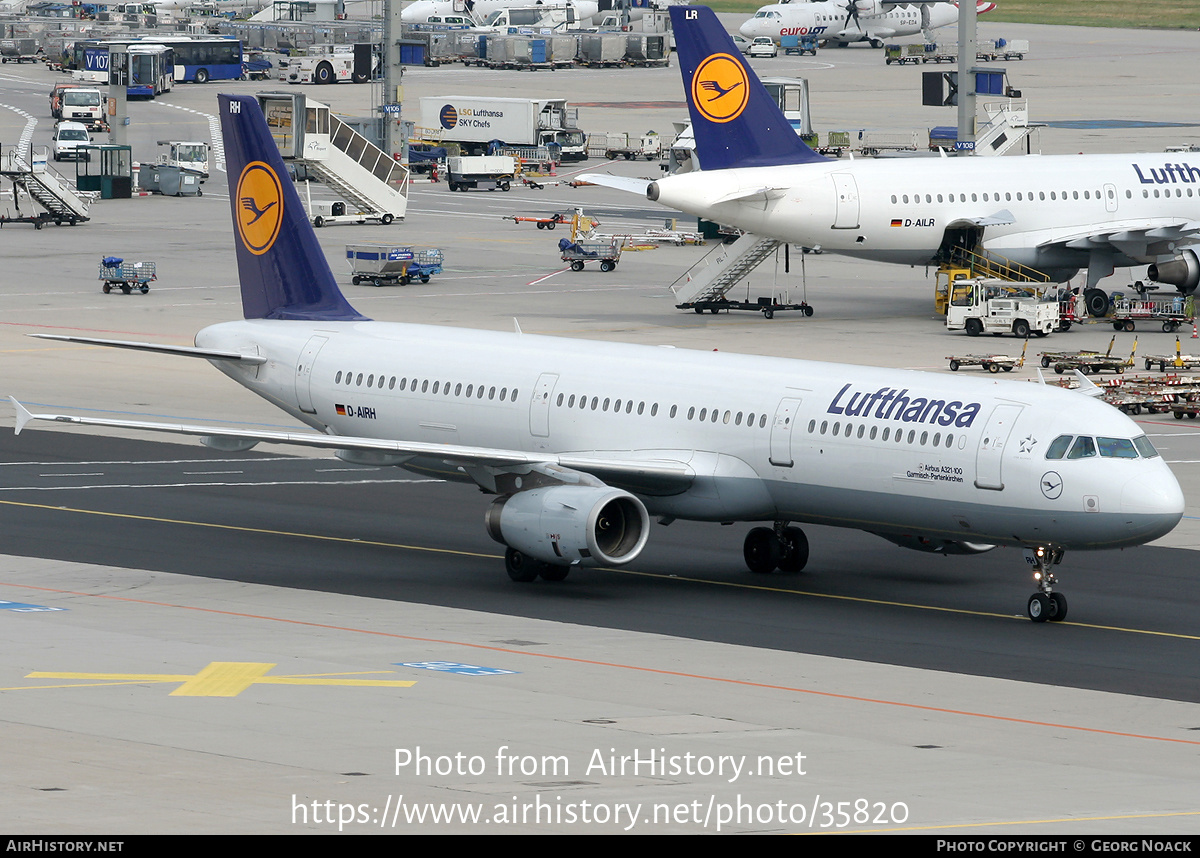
<point>68,136</point>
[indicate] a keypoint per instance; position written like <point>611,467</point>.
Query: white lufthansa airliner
<point>1056,214</point>
<point>582,442</point>
<point>845,21</point>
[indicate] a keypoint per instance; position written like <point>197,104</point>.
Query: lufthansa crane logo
<point>720,88</point>
<point>259,202</point>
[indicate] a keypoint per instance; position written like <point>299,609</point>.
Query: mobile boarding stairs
<point>373,185</point>
<point>36,181</point>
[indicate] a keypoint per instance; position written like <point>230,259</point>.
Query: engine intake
<point>568,525</point>
<point>1182,272</point>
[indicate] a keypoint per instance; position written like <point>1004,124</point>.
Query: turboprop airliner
<point>582,442</point>
<point>1053,213</point>
<point>843,21</point>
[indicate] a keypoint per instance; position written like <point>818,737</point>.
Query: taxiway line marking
<point>737,585</point>
<point>644,669</point>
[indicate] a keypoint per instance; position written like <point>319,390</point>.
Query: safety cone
<point>1195,336</point>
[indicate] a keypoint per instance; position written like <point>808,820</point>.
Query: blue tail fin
<point>284,274</point>
<point>735,121</point>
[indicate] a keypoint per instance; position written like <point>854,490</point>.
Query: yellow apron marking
<point>224,679</point>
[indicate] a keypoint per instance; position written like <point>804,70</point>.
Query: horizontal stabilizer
<point>182,351</point>
<point>620,183</point>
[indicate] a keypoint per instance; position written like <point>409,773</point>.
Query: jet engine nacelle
<point>567,525</point>
<point>1182,272</point>
<point>867,8</point>
<point>937,546</point>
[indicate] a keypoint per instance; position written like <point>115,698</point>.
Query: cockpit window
<point>1116,448</point>
<point>1082,448</point>
<point>1058,447</point>
<point>1143,445</point>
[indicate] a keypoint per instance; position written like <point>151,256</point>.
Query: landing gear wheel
<point>762,550</point>
<point>1096,301</point>
<point>520,567</point>
<point>550,572</point>
<point>1059,601</point>
<point>795,550</point>
<point>1038,607</point>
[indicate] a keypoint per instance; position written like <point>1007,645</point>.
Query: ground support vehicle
<point>993,306</point>
<point>547,222</point>
<point>767,306</point>
<point>1085,362</point>
<point>329,212</point>
<point>84,105</point>
<point>798,45</point>
<point>483,172</point>
<point>836,143</point>
<point>1002,49</point>
<point>941,53</point>
<point>325,64</point>
<point>379,264</point>
<point>126,276</point>
<point>607,253</point>
<point>1169,311</point>
<point>474,122</point>
<point>901,54</point>
<point>992,363</point>
<point>614,146</point>
<point>1177,361</point>
<point>20,51</point>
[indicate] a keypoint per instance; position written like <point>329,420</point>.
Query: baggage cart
<point>126,276</point>
<point>380,264</point>
<point>992,363</point>
<point>1169,311</point>
<point>607,253</point>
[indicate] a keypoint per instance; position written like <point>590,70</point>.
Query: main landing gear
<point>523,568</point>
<point>783,548</point>
<point>1046,605</point>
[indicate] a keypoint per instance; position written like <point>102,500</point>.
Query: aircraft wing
<point>1140,238</point>
<point>659,476</point>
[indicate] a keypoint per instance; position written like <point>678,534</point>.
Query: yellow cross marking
<point>225,679</point>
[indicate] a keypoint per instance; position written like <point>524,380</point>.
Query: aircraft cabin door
<point>304,373</point>
<point>781,432</point>
<point>989,458</point>
<point>845,193</point>
<point>539,408</point>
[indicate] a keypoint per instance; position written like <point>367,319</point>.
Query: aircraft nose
<point>748,29</point>
<point>1155,501</point>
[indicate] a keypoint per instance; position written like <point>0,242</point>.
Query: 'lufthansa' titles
<point>887,403</point>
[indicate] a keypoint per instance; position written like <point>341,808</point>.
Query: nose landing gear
<point>1046,605</point>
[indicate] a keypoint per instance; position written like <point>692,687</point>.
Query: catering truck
<point>474,122</point>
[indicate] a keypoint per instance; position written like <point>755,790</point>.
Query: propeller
<point>851,12</point>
